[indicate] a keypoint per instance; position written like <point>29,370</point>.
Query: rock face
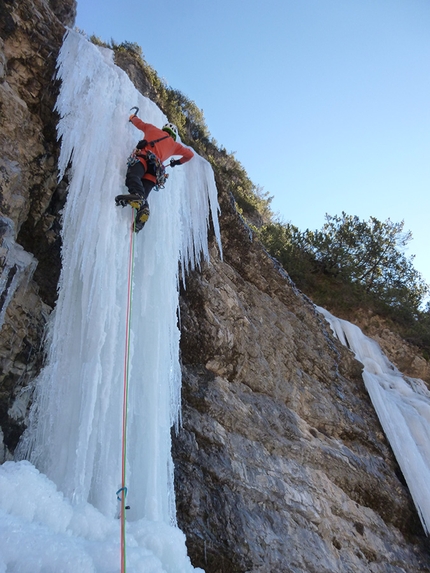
<point>31,34</point>
<point>281,464</point>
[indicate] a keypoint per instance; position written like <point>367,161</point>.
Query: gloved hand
<point>174,162</point>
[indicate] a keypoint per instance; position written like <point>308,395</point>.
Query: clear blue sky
<point>325,102</point>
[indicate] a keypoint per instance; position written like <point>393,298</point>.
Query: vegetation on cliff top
<point>348,264</point>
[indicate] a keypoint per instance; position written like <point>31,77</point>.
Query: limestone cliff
<point>31,34</point>
<point>280,445</point>
<point>281,464</point>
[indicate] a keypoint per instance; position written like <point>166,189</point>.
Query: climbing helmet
<point>171,129</point>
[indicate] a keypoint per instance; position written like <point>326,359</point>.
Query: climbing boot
<point>142,216</point>
<point>133,199</point>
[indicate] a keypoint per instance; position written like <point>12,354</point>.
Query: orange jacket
<point>163,149</point>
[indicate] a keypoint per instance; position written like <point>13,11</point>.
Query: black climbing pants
<point>135,183</point>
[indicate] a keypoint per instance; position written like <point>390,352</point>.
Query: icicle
<point>16,265</point>
<point>75,430</point>
<point>80,383</point>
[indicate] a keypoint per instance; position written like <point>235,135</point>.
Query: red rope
<point>123,489</point>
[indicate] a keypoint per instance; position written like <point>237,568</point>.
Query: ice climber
<point>145,165</point>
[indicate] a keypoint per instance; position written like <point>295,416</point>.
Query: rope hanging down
<point>122,492</point>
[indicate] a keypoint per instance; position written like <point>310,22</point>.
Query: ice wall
<point>403,408</point>
<point>74,436</point>
<point>17,265</point>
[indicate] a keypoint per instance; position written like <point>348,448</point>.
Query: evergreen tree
<point>372,254</point>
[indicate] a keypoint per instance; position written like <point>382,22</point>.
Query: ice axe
<point>136,108</point>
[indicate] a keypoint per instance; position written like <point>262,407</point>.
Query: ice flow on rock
<point>74,437</point>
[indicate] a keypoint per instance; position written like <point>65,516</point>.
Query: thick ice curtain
<point>75,431</point>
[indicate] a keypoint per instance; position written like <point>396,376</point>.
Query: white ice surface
<point>403,408</point>
<point>62,516</point>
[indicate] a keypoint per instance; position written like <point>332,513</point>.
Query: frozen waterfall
<point>403,408</point>
<point>74,437</point>
<point>58,511</point>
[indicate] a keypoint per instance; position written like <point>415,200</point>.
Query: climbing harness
<point>122,492</point>
<point>155,165</point>
<point>158,168</point>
